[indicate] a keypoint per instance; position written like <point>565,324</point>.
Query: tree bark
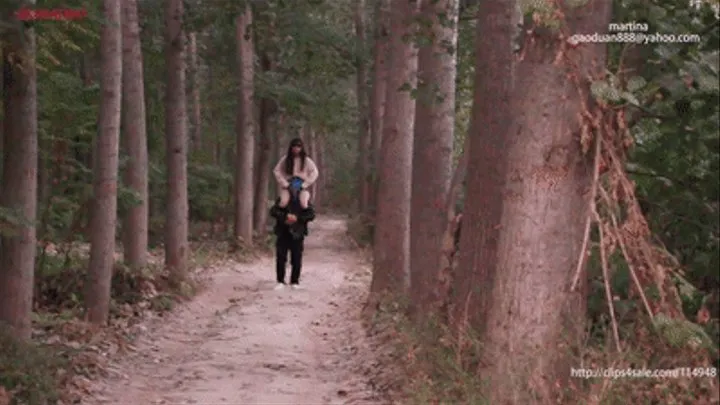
<point>392,230</point>
<point>275,150</point>
<point>321,191</point>
<point>245,127</point>
<point>176,222</point>
<point>379,92</point>
<point>487,139</point>
<point>526,270</point>
<point>195,112</point>
<point>363,179</point>
<point>19,180</point>
<point>432,150</point>
<point>135,227</point>
<point>262,187</point>
<point>448,242</point>
<point>105,169</point>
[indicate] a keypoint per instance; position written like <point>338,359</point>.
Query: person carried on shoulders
<point>295,169</point>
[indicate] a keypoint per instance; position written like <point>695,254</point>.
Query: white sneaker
<point>296,287</point>
<point>280,286</point>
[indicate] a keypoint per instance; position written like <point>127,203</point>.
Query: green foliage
<point>209,191</point>
<point>465,78</point>
<point>682,333</point>
<point>676,160</point>
<point>437,366</point>
<point>28,371</point>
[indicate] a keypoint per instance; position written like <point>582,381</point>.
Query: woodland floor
<point>241,342</point>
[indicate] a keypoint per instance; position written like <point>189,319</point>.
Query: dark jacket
<point>299,229</point>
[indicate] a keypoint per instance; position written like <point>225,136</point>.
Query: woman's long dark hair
<point>290,159</point>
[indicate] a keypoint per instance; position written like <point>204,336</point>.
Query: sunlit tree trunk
<point>105,168</point>
<point>195,107</point>
<point>176,219</point>
<point>268,129</point>
<point>245,143</point>
<point>432,150</point>
<point>135,226</point>
<point>379,92</point>
<point>391,248</point>
<point>19,179</point>
<point>524,218</point>
<point>363,175</point>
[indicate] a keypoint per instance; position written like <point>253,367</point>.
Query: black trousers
<point>285,242</point>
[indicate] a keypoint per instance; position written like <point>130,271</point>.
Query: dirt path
<point>241,342</point>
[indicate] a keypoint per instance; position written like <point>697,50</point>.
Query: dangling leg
<point>284,197</point>
<point>304,199</point>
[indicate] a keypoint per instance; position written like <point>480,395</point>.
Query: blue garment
<point>296,184</point>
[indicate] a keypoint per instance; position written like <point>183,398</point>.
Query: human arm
<point>279,173</point>
<point>278,212</point>
<point>312,173</point>
<point>307,215</point>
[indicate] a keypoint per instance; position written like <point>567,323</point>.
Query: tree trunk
<point>257,130</point>
<point>105,169</point>
<point>2,140</point>
<point>245,142</point>
<point>525,272</point>
<point>448,242</point>
<point>363,179</point>
<point>19,192</point>
<point>432,150</point>
<point>282,141</point>
<point>176,225</point>
<point>322,181</point>
<point>487,138</point>
<point>195,113</point>
<point>135,227</point>
<point>312,142</point>
<point>262,187</point>
<point>86,69</point>
<point>379,92</point>
<point>391,241</point>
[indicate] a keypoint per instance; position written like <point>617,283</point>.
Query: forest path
<point>241,342</point>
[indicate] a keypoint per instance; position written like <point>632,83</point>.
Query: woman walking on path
<point>295,164</point>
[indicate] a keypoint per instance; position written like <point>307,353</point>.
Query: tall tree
<point>176,222</point>
<point>363,179</point>
<point>19,178</point>
<point>195,107</point>
<point>245,128</point>
<point>525,272</point>
<point>134,139</point>
<point>268,129</point>
<point>392,235</point>
<point>379,91</point>
<point>491,114</point>
<point>433,148</point>
<point>320,156</point>
<point>105,168</point>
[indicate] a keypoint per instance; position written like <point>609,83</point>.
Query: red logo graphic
<point>60,14</point>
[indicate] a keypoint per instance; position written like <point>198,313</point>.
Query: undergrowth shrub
<point>60,281</point>
<point>441,366</point>
<point>361,229</point>
<point>28,371</point>
<point>438,368</point>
